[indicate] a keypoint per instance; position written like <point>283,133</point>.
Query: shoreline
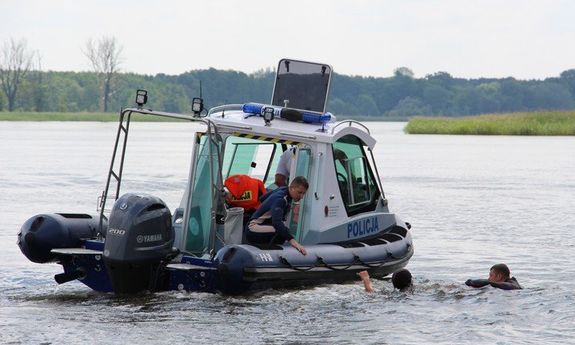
<point>539,123</point>
<point>113,117</point>
<point>76,117</point>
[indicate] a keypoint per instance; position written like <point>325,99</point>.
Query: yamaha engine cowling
<point>138,241</point>
<point>44,232</point>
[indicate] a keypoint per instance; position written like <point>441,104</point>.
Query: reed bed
<point>527,123</point>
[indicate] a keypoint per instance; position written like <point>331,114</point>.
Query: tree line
<point>105,88</point>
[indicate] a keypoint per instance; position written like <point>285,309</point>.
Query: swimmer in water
<point>499,277</point>
<point>401,280</point>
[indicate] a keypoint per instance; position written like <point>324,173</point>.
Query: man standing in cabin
<point>283,168</point>
<point>499,277</point>
<point>266,225</point>
<point>281,177</point>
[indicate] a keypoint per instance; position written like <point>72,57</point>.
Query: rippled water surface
<point>473,202</point>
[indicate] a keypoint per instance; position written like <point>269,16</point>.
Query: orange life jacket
<point>245,191</point>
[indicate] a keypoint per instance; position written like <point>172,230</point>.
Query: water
<point>472,201</point>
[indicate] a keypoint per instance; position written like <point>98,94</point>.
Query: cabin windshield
<point>355,178</point>
<point>203,192</point>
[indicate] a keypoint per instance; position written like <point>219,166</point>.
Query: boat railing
<point>351,123</point>
<point>224,108</point>
<point>122,140</point>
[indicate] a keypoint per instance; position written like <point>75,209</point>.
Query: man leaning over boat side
<point>266,226</point>
<point>499,277</point>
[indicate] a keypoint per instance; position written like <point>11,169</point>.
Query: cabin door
<point>203,202</point>
<point>296,216</point>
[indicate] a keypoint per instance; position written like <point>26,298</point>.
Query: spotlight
<point>141,98</point>
<point>197,105</point>
<point>268,113</point>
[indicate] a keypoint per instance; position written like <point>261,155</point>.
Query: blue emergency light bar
<point>288,113</point>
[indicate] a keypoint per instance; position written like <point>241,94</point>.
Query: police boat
<point>139,245</point>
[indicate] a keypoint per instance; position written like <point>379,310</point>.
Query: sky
<point>524,39</point>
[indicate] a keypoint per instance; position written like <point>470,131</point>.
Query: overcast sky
<point>469,39</point>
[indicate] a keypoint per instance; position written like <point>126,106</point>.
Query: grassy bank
<point>98,117</point>
<point>529,123</point>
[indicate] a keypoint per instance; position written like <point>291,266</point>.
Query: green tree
<point>368,106</point>
<point>550,95</point>
<point>404,72</point>
<point>410,106</point>
<point>568,78</point>
<point>438,98</point>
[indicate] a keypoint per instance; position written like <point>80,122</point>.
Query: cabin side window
<point>355,178</point>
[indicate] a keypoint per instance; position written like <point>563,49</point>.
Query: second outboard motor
<point>138,240</point>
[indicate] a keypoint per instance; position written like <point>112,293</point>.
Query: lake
<point>473,201</point>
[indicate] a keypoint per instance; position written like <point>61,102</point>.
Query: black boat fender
<point>44,232</point>
<point>231,261</point>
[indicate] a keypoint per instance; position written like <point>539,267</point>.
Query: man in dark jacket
<point>266,225</point>
<point>499,277</point>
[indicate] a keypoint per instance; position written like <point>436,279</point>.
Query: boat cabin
<point>344,196</point>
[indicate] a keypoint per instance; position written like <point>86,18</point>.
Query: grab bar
<point>351,122</point>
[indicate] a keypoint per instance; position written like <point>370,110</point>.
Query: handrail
<point>229,125</point>
<point>319,160</point>
<point>165,114</point>
<point>127,113</point>
<point>224,107</point>
<point>351,122</point>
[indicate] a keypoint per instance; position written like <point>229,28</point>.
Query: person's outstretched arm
<point>366,281</point>
<point>477,283</point>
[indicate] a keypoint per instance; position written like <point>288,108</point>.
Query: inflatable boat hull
<point>235,269</point>
<point>245,267</point>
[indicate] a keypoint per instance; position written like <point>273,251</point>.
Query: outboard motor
<point>139,239</point>
<point>44,232</point>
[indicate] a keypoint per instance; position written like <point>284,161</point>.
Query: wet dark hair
<point>299,181</point>
<point>401,279</point>
<point>501,268</point>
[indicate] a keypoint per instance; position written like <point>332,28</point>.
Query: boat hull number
<point>265,257</point>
